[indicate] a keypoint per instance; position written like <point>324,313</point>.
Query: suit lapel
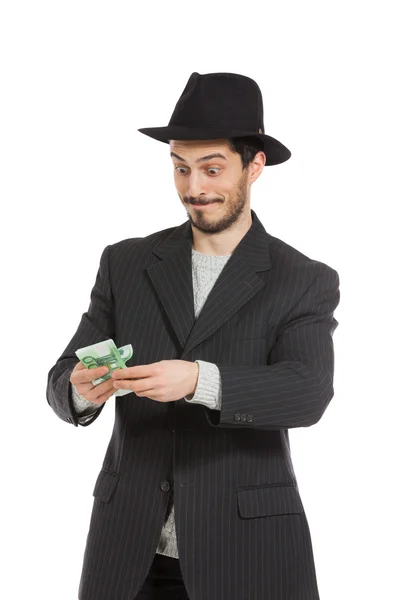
<point>236,285</point>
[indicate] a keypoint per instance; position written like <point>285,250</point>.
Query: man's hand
<point>81,378</point>
<point>164,381</point>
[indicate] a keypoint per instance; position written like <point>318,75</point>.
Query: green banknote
<point>105,354</point>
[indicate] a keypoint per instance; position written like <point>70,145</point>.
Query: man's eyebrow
<point>215,155</point>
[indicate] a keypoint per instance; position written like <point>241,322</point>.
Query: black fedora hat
<point>220,105</point>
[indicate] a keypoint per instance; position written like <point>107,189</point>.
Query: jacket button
<point>243,417</point>
<point>249,418</point>
<point>165,486</point>
<point>237,416</point>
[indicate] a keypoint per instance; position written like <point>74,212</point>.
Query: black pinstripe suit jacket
<point>267,324</point>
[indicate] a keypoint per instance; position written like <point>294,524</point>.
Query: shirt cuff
<point>84,408</point>
<point>209,388</point>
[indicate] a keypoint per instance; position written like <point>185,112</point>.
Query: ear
<point>257,166</point>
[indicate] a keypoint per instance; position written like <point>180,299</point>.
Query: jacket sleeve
<point>97,324</point>
<point>295,387</point>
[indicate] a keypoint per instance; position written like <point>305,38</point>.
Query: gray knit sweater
<point>205,271</point>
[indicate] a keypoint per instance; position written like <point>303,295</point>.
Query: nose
<point>196,185</point>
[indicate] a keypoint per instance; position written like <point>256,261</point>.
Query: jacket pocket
<point>274,499</point>
<point>105,485</point>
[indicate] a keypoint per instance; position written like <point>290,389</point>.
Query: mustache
<point>202,202</point>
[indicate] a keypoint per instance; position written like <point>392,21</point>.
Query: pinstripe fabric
<point>267,324</point>
<point>205,270</point>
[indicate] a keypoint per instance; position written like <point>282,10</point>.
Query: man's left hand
<point>164,381</point>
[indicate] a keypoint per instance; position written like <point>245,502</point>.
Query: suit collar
<point>253,248</point>
<point>236,285</point>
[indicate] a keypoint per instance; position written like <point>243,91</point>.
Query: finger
<point>136,372</point>
<point>104,397</point>
<point>98,390</point>
<point>85,388</point>
<point>121,373</point>
<point>137,385</point>
<point>86,375</point>
<point>125,384</point>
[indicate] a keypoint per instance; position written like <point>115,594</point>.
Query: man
<point>232,336</point>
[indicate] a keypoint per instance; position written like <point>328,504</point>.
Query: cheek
<point>179,186</point>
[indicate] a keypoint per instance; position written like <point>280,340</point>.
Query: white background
<point>78,79</point>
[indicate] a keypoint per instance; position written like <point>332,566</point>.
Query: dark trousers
<point>164,581</point>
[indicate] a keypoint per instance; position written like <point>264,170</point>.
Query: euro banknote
<point>105,354</point>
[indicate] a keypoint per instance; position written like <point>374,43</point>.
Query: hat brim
<point>274,150</point>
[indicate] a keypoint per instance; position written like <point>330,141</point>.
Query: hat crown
<point>220,99</point>
<point>220,105</point>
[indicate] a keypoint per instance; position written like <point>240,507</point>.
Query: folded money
<point>105,354</point>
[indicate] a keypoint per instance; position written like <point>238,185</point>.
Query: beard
<point>204,221</point>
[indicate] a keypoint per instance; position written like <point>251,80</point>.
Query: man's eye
<point>209,169</point>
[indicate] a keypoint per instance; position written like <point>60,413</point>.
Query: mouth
<point>209,204</point>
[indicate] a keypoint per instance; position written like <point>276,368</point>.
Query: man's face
<point>214,190</point>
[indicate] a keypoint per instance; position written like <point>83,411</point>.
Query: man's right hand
<point>81,378</point>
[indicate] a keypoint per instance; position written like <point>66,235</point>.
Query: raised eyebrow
<point>203,158</point>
